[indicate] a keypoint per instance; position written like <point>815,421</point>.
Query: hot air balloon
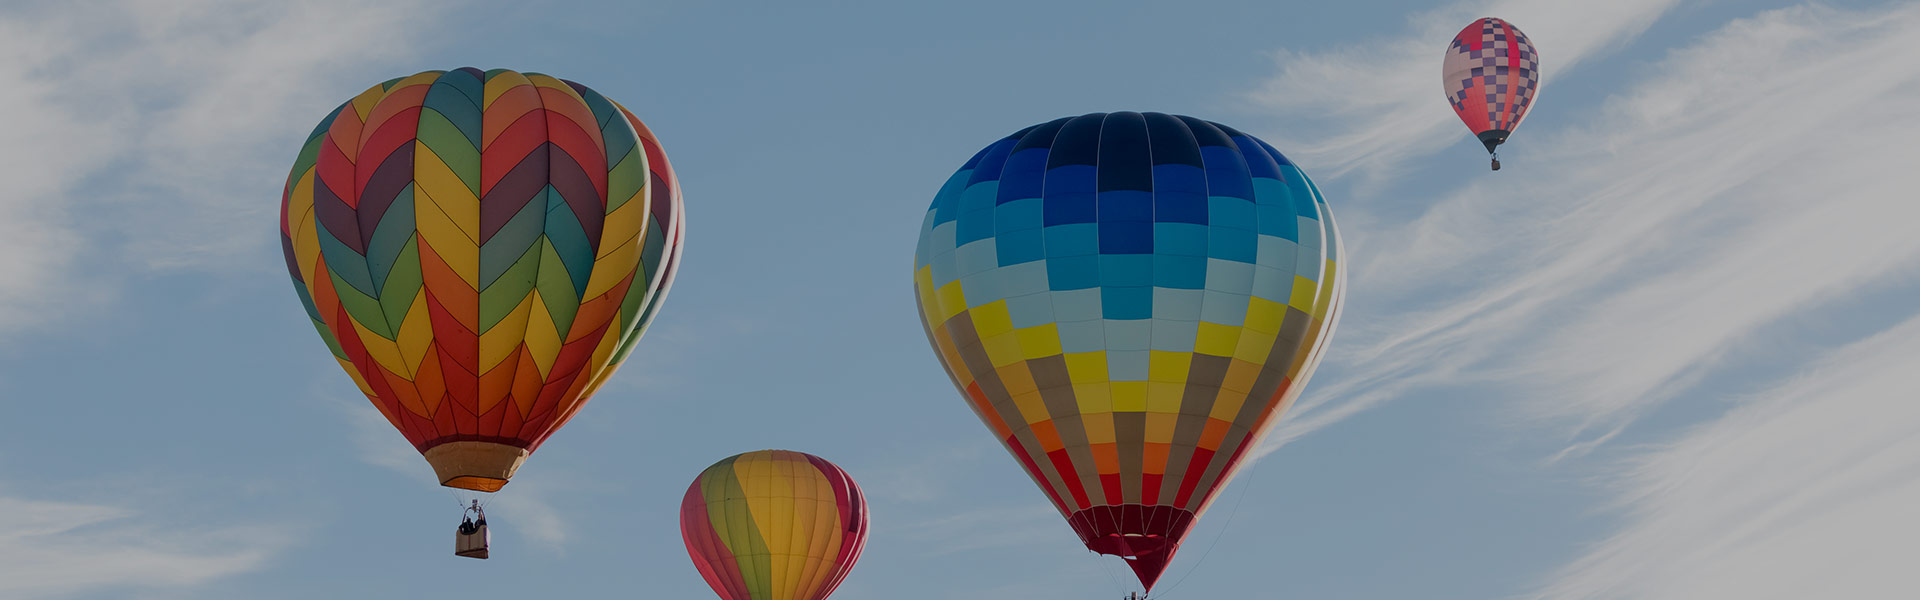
<point>1129,301</point>
<point>774,525</point>
<point>479,250</point>
<point>1491,75</point>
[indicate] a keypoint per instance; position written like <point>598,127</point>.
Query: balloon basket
<point>472,538</point>
<point>472,543</point>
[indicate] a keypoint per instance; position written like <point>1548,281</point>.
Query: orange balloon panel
<point>476,247</point>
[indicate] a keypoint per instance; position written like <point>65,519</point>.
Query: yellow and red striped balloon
<point>774,525</point>
<point>479,250</point>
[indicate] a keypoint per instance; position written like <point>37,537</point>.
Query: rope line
<point>1224,526</point>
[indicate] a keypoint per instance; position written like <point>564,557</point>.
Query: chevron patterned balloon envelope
<point>1129,301</point>
<point>480,250</point>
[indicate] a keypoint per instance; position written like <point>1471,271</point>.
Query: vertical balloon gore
<point>1128,302</point>
<point>478,250</point>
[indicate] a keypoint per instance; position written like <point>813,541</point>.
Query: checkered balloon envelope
<point>1491,75</point>
<point>1129,301</point>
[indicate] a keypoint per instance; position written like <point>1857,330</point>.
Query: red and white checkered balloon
<point>1491,75</point>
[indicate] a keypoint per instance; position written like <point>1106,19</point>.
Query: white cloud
<point>378,443</point>
<point>1381,101</point>
<point>156,134</point>
<point>1702,228</point>
<point>243,84</point>
<point>1806,490</point>
<point>56,549</point>
<point>523,508</point>
<point>531,513</point>
<point>166,125</point>
<point>1751,180</point>
<point>41,151</point>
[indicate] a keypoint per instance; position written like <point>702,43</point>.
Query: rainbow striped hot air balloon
<point>774,525</point>
<point>1129,301</point>
<point>480,250</point>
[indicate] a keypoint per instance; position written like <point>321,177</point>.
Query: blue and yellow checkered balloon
<point>1129,301</point>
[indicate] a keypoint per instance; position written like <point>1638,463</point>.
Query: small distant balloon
<point>1491,75</point>
<point>774,525</point>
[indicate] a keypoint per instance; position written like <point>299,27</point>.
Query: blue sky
<point>1667,352</point>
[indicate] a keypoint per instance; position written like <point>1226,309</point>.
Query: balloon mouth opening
<point>1493,138</point>
<point>478,484</point>
<point>1146,536</point>
<point>1129,546</point>
<point>475,465</point>
<point>1146,554</point>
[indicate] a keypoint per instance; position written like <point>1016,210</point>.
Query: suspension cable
<point>1224,526</point>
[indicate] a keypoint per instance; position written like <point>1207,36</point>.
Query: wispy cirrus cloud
<point>51,549</point>
<point>1701,230</point>
<point>145,135</point>
<point>1710,200</point>
<point>150,132</point>
<point>37,239</point>
<point>1380,101</point>
<point>1805,490</point>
